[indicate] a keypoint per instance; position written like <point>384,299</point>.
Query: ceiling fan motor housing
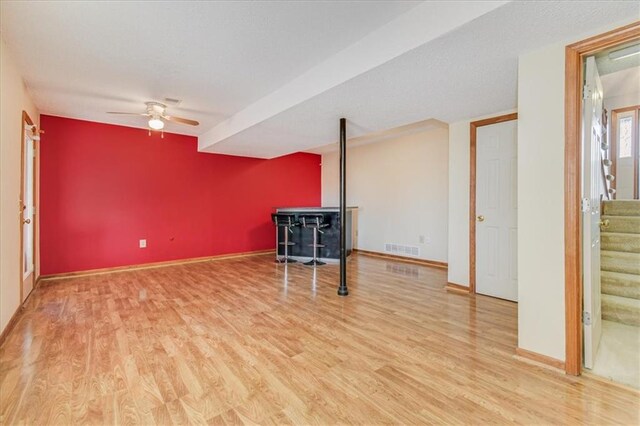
<point>155,108</point>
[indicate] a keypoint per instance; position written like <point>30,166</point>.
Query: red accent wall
<point>105,187</point>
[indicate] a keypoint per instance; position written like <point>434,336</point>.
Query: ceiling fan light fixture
<point>156,124</point>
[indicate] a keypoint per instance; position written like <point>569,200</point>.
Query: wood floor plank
<point>248,341</point>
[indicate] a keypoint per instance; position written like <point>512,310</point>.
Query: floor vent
<point>407,270</point>
<point>402,250</point>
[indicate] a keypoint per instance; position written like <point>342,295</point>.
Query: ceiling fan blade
<point>129,113</point>
<point>180,120</point>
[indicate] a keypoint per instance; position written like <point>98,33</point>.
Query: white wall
<point>621,90</point>
<point>13,100</point>
<point>459,169</point>
<point>400,187</point>
<point>621,101</point>
<point>541,283</point>
<point>541,320</point>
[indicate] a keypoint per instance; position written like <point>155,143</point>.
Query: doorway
<point>615,349</point>
<point>493,207</point>
<point>601,240</point>
<point>28,207</point>
<point>625,130</point>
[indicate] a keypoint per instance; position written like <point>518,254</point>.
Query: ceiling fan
<point>157,116</point>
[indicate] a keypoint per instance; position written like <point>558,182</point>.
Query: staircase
<point>620,261</point>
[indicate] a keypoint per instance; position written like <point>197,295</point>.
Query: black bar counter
<point>302,251</point>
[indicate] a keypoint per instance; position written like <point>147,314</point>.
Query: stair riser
<point>620,262</point>
<point>630,291</point>
<point>628,263</point>
<point>622,208</point>
<point>621,309</point>
<point>629,243</point>
<point>624,317</point>
<point>620,285</point>
<point>625,224</point>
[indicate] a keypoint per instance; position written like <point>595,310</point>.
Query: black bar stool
<point>285,221</point>
<point>315,222</point>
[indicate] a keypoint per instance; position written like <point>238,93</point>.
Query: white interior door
<point>592,188</point>
<point>496,210</point>
<point>28,210</point>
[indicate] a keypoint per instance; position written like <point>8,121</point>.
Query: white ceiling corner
<point>622,82</point>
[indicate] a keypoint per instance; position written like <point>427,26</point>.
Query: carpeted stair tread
<point>616,261</point>
<point>626,224</point>
<point>617,241</point>
<point>620,262</point>
<point>622,208</point>
<point>620,284</point>
<point>621,309</point>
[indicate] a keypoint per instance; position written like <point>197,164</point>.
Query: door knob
<point>480,218</point>
<point>27,221</point>
<point>604,223</point>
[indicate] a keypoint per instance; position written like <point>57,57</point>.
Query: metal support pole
<point>277,241</point>
<point>286,244</point>
<point>342,290</point>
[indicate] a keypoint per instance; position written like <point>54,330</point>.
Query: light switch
<point>143,243</point>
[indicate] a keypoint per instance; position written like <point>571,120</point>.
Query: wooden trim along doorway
<point>574,55</point>
<point>27,121</point>
<point>472,190</point>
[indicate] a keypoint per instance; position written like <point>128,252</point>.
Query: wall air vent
<point>402,250</point>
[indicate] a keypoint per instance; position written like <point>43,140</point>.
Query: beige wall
<point>541,313</point>
<point>621,90</point>
<point>541,323</point>
<point>400,187</point>
<point>541,202</point>
<point>621,101</point>
<point>14,99</point>
<point>459,167</point>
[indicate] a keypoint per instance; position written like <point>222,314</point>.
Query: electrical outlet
<point>143,243</point>
<point>421,239</point>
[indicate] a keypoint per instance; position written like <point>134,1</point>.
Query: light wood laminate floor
<point>249,341</point>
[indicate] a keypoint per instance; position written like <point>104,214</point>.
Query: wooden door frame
<point>472,189</point>
<point>26,120</point>
<point>635,147</point>
<point>574,55</point>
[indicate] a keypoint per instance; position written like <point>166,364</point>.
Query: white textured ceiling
<point>469,72</point>
<point>424,23</point>
<point>82,58</point>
